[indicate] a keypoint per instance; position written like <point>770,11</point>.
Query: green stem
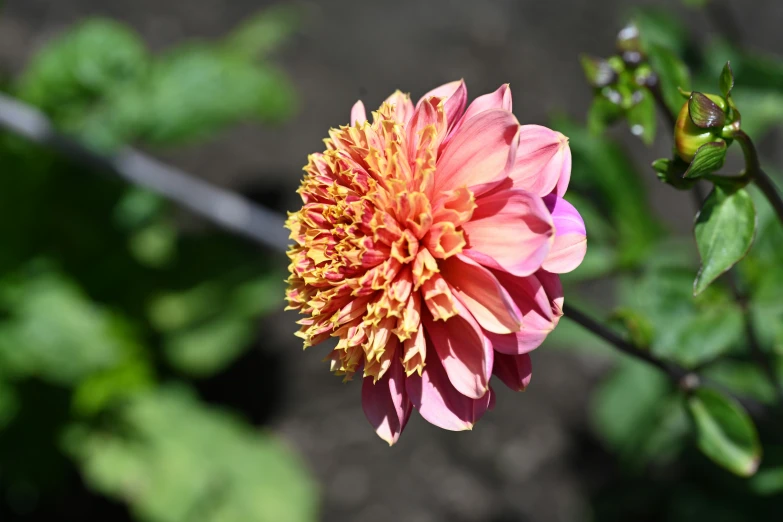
<point>757,175</point>
<point>760,357</point>
<point>679,375</point>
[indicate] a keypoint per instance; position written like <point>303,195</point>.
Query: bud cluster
<point>622,86</point>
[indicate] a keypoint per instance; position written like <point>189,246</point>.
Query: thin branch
<point>770,191</point>
<point>760,357</point>
<point>223,207</point>
<point>679,375</point>
<point>757,174</point>
<point>655,89</point>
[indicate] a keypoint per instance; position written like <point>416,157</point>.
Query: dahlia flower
<point>429,245</point>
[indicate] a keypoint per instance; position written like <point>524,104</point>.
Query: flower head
<point>428,244</point>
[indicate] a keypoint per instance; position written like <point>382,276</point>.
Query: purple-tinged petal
<point>570,244</point>
<point>386,404</point>
<point>514,370</point>
<point>440,403</point>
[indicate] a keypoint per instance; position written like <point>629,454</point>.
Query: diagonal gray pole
<point>225,208</point>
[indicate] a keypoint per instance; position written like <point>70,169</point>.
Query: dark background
<point>533,457</point>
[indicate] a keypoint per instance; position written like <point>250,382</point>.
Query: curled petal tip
<point>358,113</point>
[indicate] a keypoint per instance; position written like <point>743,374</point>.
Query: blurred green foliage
<point>638,414</point>
<point>172,459</point>
<point>109,314</point>
<point>99,82</point>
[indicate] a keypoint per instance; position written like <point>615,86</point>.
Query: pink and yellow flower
<point>429,245</point>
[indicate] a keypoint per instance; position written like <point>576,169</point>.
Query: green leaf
<point>768,480</point>
<point>641,118</point>
<point>724,232</point>
<point>636,414</point>
<point>54,332</point>
<point>724,431</point>
<point>709,158</point>
<point>704,113</point>
<point>196,91</point>
<point>154,245</point>
<point>208,326</point>
<point>742,379</point>
<point>263,33</point>
<point>701,336</point>
<point>209,348</point>
<point>138,207</point>
<point>672,73</point>
<point>752,69</point>
<point>726,80</point>
<point>686,330</point>
<point>171,459</point>
<point>101,390</point>
<point>79,68</point>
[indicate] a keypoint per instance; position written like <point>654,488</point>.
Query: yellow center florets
<point>369,237</point>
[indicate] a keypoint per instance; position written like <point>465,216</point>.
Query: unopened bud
<point>700,121</point>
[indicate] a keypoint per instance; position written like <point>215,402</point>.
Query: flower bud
<point>699,122</point>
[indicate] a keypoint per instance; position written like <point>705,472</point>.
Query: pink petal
<point>481,293</point>
<point>479,154</point>
<point>500,99</point>
<point>403,106</point>
<point>514,370</point>
<point>540,299</point>
<point>440,403</point>
<point>565,175</point>
<point>454,96</point>
<point>543,160</point>
<point>510,230</point>
<point>426,114</point>
<point>462,348</point>
<point>386,404</point>
<point>570,244</point>
<point>358,114</point>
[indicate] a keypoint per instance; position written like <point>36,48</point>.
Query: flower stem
<point>756,173</point>
<point>679,375</point>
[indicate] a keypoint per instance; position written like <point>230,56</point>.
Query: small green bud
<point>700,122</point>
<point>616,63</point>
<point>599,73</point>
<point>628,40</point>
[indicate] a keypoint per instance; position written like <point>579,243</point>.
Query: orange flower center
<point>368,241</point>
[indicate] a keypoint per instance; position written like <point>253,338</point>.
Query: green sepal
<point>708,159</point>
<point>671,171</point>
